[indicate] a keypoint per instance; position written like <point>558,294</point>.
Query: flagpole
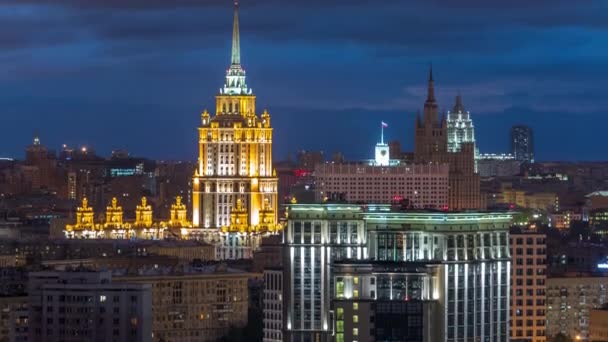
<point>382,134</point>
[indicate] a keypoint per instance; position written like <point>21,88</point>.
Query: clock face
<point>383,152</point>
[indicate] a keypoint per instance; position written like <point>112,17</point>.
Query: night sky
<point>136,74</point>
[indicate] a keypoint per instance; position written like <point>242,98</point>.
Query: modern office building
<point>528,287</point>
<point>452,269</point>
<point>431,146</point>
<point>194,304</point>
<point>569,303</point>
<point>522,143</point>
<point>83,305</point>
<point>273,305</point>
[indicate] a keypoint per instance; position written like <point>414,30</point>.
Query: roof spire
<point>458,107</point>
<point>431,89</point>
<point>236,40</point>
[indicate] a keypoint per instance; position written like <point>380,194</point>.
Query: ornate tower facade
<point>234,172</point>
<point>432,145</point>
<point>461,129</point>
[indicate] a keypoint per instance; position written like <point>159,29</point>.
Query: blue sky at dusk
<point>136,74</point>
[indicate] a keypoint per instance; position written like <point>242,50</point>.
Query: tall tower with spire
<point>450,141</point>
<point>431,131</point>
<point>234,164</point>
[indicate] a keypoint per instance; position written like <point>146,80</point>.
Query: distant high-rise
<point>522,143</point>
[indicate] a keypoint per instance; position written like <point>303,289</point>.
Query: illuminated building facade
<point>423,185</point>
<point>113,226</point>
<point>234,185</point>
<point>456,265</point>
<point>528,288</point>
<point>431,146</point>
<point>460,126</point>
<point>384,180</point>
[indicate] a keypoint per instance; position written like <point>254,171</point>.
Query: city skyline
<point>143,79</point>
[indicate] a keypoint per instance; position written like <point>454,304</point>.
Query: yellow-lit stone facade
<point>234,173</point>
<point>113,226</point>
<point>143,214</point>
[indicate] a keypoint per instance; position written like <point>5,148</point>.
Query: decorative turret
<point>84,217</point>
<point>267,218</point>
<point>205,118</point>
<point>265,119</point>
<point>239,219</point>
<point>179,215</point>
<point>114,215</point>
<point>143,214</point>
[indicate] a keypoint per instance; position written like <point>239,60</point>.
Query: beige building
<point>195,305</point>
<point>424,185</point>
<point>11,260</point>
<point>528,287</point>
<point>598,325</point>
<point>570,301</point>
<point>184,250</point>
<point>529,200</point>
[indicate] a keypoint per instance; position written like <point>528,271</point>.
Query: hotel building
<point>234,186</point>
<point>349,269</point>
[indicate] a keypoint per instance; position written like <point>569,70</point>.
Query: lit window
<point>356,280</point>
<point>355,306</point>
<point>340,313</point>
<point>355,319</point>
<point>102,298</point>
<point>356,293</point>
<point>355,332</point>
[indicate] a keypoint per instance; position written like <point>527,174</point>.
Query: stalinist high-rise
<point>234,186</point>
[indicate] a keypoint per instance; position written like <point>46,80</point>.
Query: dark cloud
<point>147,63</point>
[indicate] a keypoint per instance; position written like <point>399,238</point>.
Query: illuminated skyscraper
<point>234,186</point>
<point>460,126</point>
